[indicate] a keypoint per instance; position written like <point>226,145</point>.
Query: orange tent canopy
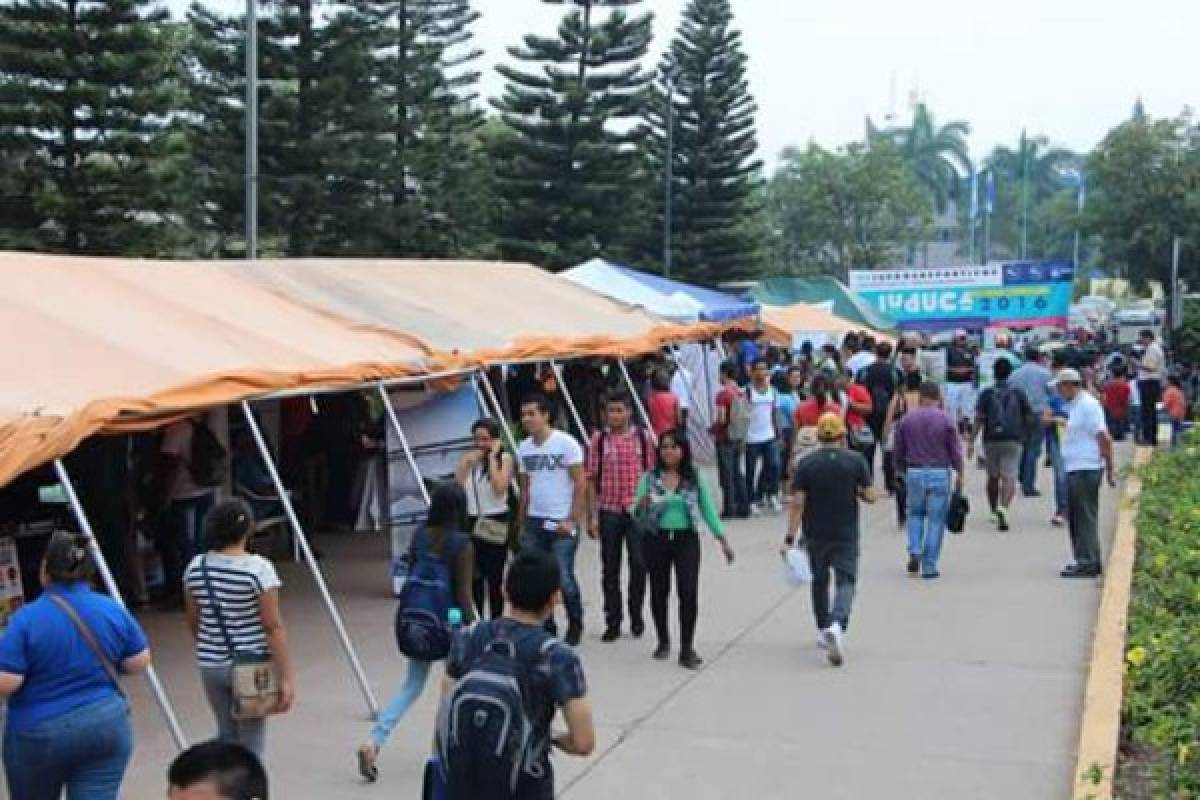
<point>780,322</point>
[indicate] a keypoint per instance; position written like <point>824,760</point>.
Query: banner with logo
<point>1012,295</point>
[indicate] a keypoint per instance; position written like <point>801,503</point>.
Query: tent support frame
<point>106,577</point>
<point>351,654</point>
<point>633,393</point>
<point>408,453</point>
<point>494,408</point>
<point>566,393</point>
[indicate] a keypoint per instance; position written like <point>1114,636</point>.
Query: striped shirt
<point>237,582</point>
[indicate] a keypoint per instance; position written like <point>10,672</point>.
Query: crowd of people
<point>495,556</point>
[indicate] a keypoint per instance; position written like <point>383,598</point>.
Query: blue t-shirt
<point>785,408</point>
<point>61,672</point>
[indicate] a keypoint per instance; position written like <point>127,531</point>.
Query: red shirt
<point>626,457</point>
<point>663,409</point>
<point>1116,398</point>
<point>724,401</point>
<point>1175,403</point>
<point>857,394</point>
<point>809,412</point>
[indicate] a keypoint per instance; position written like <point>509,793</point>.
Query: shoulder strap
<point>601,439</point>
<point>216,606</point>
<point>86,633</point>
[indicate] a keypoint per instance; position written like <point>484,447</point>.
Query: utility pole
<point>251,130</point>
<point>669,172</point>
<point>1024,197</point>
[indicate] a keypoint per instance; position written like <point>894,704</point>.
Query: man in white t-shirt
<point>1087,456</point>
<point>553,500</point>
<point>1151,376</point>
<point>762,441</point>
<point>188,503</point>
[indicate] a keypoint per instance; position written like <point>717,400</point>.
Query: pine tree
<point>87,93</point>
<point>716,177</point>
<point>567,172</point>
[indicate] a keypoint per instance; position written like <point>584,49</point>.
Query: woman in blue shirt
<point>68,721</point>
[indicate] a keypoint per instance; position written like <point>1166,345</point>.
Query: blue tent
<point>669,298</point>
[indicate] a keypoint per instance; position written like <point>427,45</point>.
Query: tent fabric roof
<point>788,291</point>
<point>663,296</point>
<point>780,322</point>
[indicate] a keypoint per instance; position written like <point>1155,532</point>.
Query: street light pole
<point>669,172</point>
<point>251,129</point>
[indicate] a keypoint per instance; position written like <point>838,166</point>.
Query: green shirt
<point>676,513</point>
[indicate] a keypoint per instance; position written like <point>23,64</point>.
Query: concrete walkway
<point>967,687</point>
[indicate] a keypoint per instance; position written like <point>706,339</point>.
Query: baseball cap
<point>830,427</point>
<point>1067,376</point>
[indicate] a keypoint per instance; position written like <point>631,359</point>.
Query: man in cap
<point>836,478</point>
<point>961,369</point>
<point>1087,454</point>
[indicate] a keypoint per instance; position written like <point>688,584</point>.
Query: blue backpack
<point>486,737</point>
<point>422,629</point>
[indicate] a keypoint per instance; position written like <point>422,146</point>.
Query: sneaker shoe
<point>663,651</point>
<point>690,659</point>
<point>834,650</point>
<point>1031,493</point>
<point>931,576</point>
<point>574,634</point>
<point>1058,521</point>
<point>776,506</point>
<point>821,643</point>
<point>637,628</point>
<point>1002,518</point>
<point>755,510</point>
<point>611,634</point>
<point>995,517</point>
<point>914,564</point>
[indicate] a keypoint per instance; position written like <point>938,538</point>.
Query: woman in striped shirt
<point>246,589</point>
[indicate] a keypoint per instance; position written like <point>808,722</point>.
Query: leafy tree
<point>937,154</point>
<point>87,93</point>
<point>857,208</point>
<point>1027,177</point>
<point>715,172</point>
<point>574,108</point>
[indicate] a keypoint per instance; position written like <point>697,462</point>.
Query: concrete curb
<point>1101,721</point>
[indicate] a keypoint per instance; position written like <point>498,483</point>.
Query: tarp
<point>780,322</point>
<point>668,298</point>
<point>788,291</point>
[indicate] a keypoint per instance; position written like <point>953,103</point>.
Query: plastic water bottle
<point>455,618</point>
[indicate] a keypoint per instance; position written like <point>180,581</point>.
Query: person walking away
<point>908,397</point>
<point>787,385</point>
<point>858,409</point>
<point>616,459</point>
<point>68,723</point>
<point>729,434</point>
<point>486,472</point>
<point>1117,395</point>
<point>669,501</point>
<point>929,452</point>
<point>477,757</point>
<point>216,770</point>
<point>1033,379</point>
<point>827,487</point>
<point>1001,350</point>
<point>1152,371</point>
<point>882,380</point>
<point>865,357</point>
<point>441,558</point>
<point>553,501</point>
<point>662,406</point>
<point>762,441</point>
<point>961,371</point>
<point>1175,404</point>
<point>1087,456</point>
<point>232,603</point>
<point>192,466</point>
<point>1003,418</point>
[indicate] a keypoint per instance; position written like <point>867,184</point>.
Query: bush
<point>1162,676</point>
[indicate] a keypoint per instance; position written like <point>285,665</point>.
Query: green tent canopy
<point>788,291</point>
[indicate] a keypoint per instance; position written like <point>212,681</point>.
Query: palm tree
<point>1034,171</point>
<point>938,155</point>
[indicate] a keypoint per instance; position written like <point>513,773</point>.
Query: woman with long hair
<point>441,537</point>
<point>485,472</point>
<point>669,502</point>
<point>68,721</point>
<point>231,599</point>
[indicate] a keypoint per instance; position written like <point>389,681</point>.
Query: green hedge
<point>1162,676</point>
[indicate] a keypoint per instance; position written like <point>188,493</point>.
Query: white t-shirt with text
<point>548,467</point>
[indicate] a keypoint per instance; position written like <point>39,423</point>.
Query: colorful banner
<point>1013,295</point>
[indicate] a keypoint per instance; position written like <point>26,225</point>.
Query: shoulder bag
<point>110,669</point>
<point>254,679</point>
<point>491,529</point>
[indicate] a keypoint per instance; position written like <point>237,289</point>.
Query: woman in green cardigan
<point>670,498</point>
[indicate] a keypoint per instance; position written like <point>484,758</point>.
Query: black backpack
<point>486,734</point>
<point>208,461</point>
<point>1006,420</point>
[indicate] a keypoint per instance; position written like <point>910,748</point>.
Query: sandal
<point>366,763</point>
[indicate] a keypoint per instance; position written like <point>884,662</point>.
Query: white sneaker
<point>834,646</point>
<point>755,510</point>
<point>821,643</point>
<point>776,506</point>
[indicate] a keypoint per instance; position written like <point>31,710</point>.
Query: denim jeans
<point>1030,454</point>
<point>397,707</point>
<point>1054,450</point>
<point>928,499</point>
<point>735,500</point>
<point>767,481</point>
<point>218,688</point>
<point>562,548</point>
<point>183,538</point>
<point>84,751</point>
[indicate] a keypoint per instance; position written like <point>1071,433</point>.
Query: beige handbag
<point>255,681</point>
<point>493,529</point>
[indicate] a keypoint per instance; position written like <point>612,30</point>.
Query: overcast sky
<point>1070,69</point>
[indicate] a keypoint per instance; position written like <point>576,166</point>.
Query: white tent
<point>606,279</point>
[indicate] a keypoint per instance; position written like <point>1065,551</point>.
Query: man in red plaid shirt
<point>616,459</point>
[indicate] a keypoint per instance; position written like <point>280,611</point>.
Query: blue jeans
<point>1030,454</point>
<point>734,500</point>
<point>1054,450</point>
<point>397,707</point>
<point>563,549</point>
<point>928,499</point>
<point>767,482</point>
<point>84,751</point>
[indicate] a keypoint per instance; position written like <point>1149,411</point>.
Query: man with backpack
<point>506,679</point>
<point>616,459</point>
<point>1003,417</point>
<point>729,434</point>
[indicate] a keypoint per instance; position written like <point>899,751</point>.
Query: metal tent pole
<point>562,385</point>
<point>160,694</point>
<point>302,540</point>
<point>637,400</point>
<point>504,424</point>
<point>408,453</point>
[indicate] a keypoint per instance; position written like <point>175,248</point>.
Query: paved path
<point>967,687</point>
